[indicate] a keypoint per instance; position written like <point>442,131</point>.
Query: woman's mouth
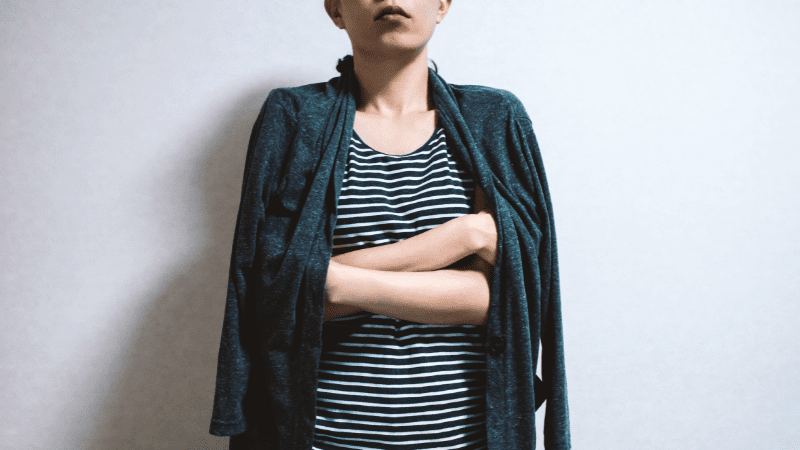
<point>391,16</point>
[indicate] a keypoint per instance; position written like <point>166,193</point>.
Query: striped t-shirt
<point>387,383</point>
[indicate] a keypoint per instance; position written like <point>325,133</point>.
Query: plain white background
<point>669,131</point>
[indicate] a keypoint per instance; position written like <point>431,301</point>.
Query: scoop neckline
<point>431,138</point>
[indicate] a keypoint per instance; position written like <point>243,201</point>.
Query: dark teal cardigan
<point>272,330</point>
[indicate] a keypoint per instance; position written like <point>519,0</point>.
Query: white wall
<point>669,132</point>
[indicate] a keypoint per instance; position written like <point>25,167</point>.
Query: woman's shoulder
<point>492,100</point>
<point>294,98</point>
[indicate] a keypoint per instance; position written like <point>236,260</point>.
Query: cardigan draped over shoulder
<point>271,340</point>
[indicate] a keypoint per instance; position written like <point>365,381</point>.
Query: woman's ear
<point>332,8</point>
<point>444,6</point>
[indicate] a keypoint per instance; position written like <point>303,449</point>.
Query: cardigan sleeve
<point>269,138</point>
<point>556,422</point>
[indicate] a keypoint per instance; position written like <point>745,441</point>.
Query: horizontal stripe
<point>387,188</point>
<point>343,196</point>
<point>415,355</point>
<point>395,221</point>
<point>396,366</point>
<point>396,415</point>
<point>401,347</point>
<point>428,441</point>
<point>412,375</point>
<point>401,424</point>
<point>410,336</point>
<point>407,404</point>
<point>355,447</point>
<point>394,385</point>
<point>387,396</point>
<point>394,213</point>
<point>396,206</point>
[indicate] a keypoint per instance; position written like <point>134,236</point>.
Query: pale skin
<point>411,279</point>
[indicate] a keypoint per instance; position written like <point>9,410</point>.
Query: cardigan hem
<point>221,429</point>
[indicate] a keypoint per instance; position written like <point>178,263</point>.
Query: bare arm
<point>447,296</point>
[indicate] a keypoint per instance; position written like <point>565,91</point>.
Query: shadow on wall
<point>165,396</point>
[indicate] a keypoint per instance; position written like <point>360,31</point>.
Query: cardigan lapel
<point>462,143</point>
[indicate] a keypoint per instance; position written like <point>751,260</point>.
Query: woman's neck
<point>392,87</point>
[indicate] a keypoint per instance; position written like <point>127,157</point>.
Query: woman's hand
<point>485,228</point>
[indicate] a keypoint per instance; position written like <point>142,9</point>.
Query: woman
<point>408,371</point>
<point>397,341</point>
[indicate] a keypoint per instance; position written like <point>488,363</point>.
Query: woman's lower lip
<point>392,16</point>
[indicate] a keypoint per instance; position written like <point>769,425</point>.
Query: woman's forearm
<point>445,296</point>
<point>436,248</point>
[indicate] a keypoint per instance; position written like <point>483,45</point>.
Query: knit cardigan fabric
<point>271,341</point>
